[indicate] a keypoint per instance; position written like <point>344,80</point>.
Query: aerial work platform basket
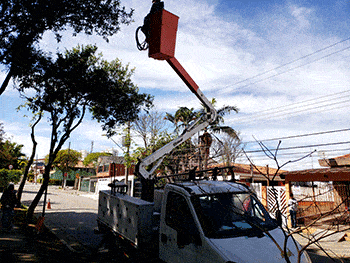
<point>162,37</point>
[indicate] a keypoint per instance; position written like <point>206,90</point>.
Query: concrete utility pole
<point>65,175</point>
<point>127,143</point>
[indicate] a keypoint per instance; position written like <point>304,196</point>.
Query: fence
<point>322,193</point>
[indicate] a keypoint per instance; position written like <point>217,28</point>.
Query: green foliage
<point>65,159</point>
<point>182,118</point>
<point>23,23</point>
<point>78,81</point>
<point>217,126</point>
<point>67,87</point>
<point>118,100</point>
<point>93,157</point>
<point>142,152</point>
<point>10,154</point>
<point>9,176</point>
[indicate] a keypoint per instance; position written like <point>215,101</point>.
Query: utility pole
<point>92,147</point>
<point>127,142</point>
<point>65,175</point>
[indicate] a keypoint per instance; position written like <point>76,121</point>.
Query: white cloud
<point>301,14</point>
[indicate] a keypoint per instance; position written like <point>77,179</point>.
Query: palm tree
<point>182,118</point>
<point>217,126</point>
<point>205,140</point>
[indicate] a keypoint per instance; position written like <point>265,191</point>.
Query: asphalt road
<point>72,218</point>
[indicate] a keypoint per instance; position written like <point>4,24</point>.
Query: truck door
<point>180,239</point>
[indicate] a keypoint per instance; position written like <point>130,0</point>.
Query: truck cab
<point>215,221</point>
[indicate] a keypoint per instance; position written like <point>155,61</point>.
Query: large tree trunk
<point>30,162</point>
<point>6,82</point>
<point>40,193</point>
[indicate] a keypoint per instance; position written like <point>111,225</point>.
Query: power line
<point>293,106</point>
<point>289,63</point>
<point>313,109</point>
<point>301,147</point>
<point>262,156</point>
<point>301,135</point>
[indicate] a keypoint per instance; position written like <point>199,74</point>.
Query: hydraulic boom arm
<point>161,41</point>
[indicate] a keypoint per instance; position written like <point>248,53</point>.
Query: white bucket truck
<point>199,221</point>
<point>195,220</point>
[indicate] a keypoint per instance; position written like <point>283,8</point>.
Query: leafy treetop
<point>23,23</point>
<point>92,158</point>
<point>80,79</point>
<point>65,159</point>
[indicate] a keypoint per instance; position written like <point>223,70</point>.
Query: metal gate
<point>276,198</point>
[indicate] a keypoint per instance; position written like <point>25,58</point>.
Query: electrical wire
<point>292,112</point>
<point>300,135</point>
<point>289,63</point>
<point>301,147</point>
<point>140,46</point>
<point>296,105</point>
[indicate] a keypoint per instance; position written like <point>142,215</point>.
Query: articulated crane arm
<point>161,39</point>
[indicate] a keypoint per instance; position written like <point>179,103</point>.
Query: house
<point>109,169</point>
<point>38,168</point>
<point>248,174</point>
<point>334,178</point>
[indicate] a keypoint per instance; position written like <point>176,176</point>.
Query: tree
<point>227,149</point>
<point>149,126</point>
<point>31,158</point>
<point>65,160</point>
<point>185,116</point>
<point>67,87</point>
<point>217,126</point>
<point>9,176</point>
<point>92,158</point>
<point>10,155</point>
<point>23,23</point>
<point>182,118</point>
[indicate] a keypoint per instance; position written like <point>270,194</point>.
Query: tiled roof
<point>322,174</point>
<point>339,161</point>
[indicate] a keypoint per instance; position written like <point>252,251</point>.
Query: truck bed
<point>129,217</point>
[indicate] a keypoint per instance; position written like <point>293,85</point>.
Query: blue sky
<point>284,64</point>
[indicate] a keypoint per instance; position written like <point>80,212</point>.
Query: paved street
<point>72,218</point>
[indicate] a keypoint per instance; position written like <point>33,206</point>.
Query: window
<point>178,217</point>
<point>178,213</point>
<point>231,214</point>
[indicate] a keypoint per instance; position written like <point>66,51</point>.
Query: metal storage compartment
<point>130,217</point>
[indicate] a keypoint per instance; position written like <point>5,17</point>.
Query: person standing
<point>293,208</point>
<point>157,5</point>
<point>8,203</point>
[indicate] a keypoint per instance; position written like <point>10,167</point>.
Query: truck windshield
<point>228,215</point>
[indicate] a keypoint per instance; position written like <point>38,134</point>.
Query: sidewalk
<point>23,245</point>
<point>335,246</point>
<point>68,235</point>
<point>71,217</point>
